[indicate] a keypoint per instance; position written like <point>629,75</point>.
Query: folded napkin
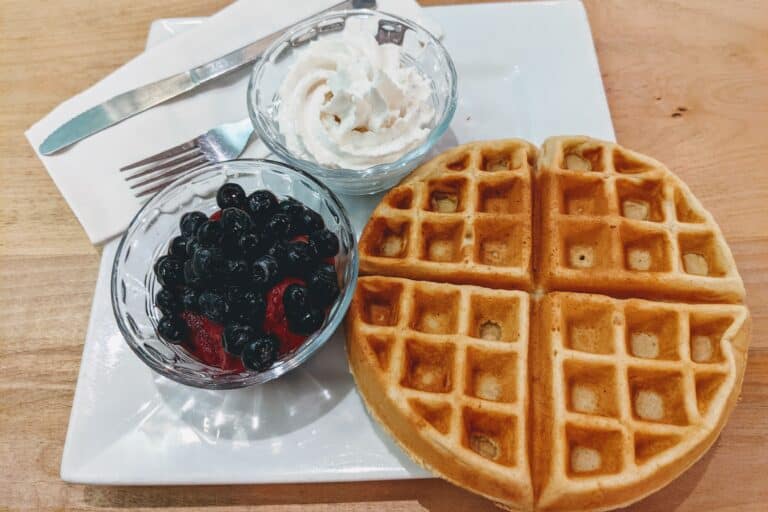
<point>87,173</point>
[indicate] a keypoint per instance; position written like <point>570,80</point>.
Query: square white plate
<point>525,70</point>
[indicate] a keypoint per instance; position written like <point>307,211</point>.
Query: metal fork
<point>225,142</point>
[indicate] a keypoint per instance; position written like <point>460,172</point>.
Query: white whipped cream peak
<point>349,102</point>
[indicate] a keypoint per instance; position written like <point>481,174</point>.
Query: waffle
<point>623,387</point>
<point>444,369</point>
<point>630,393</point>
<point>615,221</point>
<point>464,217</point>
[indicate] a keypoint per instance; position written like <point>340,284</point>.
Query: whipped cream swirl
<point>349,102</point>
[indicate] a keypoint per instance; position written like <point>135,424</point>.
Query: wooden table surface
<point>687,82</point>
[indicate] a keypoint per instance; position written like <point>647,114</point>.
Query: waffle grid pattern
<point>620,221</point>
<point>471,390</point>
<point>464,218</point>
<point>617,393</point>
<point>630,380</point>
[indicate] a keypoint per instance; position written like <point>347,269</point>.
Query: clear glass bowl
<point>134,284</point>
<point>420,49</point>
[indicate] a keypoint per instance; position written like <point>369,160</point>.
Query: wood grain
<point>685,82</point>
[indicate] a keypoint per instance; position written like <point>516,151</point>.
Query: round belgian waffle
<point>555,330</point>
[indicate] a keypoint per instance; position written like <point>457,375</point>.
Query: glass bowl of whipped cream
<point>356,98</point>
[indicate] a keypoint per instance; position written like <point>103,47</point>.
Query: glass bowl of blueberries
<point>234,274</point>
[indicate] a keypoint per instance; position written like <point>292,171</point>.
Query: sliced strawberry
<point>231,363</point>
<point>204,342</point>
<point>215,216</point>
<point>275,321</point>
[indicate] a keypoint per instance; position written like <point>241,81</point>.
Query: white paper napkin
<point>87,173</point>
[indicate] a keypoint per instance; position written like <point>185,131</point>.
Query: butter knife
<point>128,104</point>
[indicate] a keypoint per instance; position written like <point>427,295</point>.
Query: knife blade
<point>128,104</point>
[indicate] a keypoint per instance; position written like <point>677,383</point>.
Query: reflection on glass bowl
<point>268,411</point>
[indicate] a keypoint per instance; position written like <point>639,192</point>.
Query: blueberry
<point>261,204</point>
<point>229,195</point>
<point>279,251</point>
<point>324,243</point>
<point>262,275</point>
<point>166,302</point>
<point>260,353</point>
<point>248,308</point>
<point>255,303</point>
<point>236,336</point>
<point>323,286</point>
<point>236,271</point>
<point>306,322</point>
<point>233,293</point>
<point>178,247</point>
<point>265,272</point>
<point>169,272</point>
<point>209,233</point>
<point>192,246</point>
<point>190,278</point>
<point>235,222</point>
<point>172,329</point>
<point>208,263</point>
<point>310,221</point>
<point>296,300</point>
<point>213,306</point>
<point>291,207</point>
<point>278,226</point>
<point>298,258</point>
<point>190,221</point>
<point>189,298</point>
<point>229,245</point>
<point>296,213</point>
<point>327,267</point>
<point>250,246</point>
<point>216,287</point>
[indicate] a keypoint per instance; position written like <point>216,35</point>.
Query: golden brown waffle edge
<point>618,222</point>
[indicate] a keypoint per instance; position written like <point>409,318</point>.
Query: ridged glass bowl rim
<point>258,117</point>
<point>299,356</point>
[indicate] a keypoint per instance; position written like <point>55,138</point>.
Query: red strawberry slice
<point>215,216</point>
<point>275,321</point>
<point>204,342</point>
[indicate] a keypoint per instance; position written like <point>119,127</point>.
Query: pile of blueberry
<point>224,266</point>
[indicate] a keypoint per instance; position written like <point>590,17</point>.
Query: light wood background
<point>687,82</point>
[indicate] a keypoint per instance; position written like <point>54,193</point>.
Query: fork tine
<point>173,171</point>
<point>158,184</point>
<point>162,181</point>
<point>152,190</point>
<point>167,164</point>
<point>176,150</point>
